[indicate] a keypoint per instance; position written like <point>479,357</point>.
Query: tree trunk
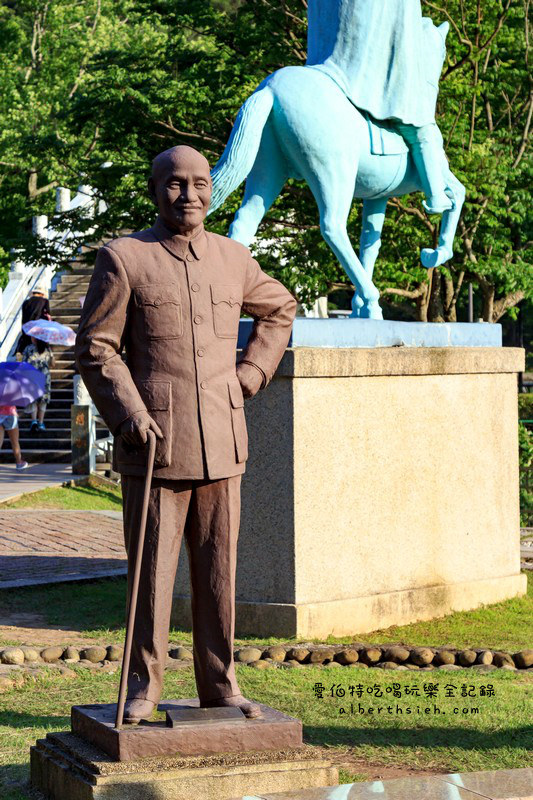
<point>422,303</point>
<point>435,311</point>
<point>450,300</point>
<point>505,303</point>
<point>488,301</point>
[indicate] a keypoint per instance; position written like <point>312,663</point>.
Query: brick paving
<point>51,546</point>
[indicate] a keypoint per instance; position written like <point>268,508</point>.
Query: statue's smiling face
<point>181,188</point>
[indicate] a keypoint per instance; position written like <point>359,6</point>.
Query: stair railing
<point>23,278</point>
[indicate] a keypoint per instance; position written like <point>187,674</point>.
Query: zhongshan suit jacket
<point>173,305</point>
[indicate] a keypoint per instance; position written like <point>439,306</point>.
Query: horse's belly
<point>376,175</point>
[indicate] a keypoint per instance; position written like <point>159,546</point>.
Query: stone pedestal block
<point>65,767</point>
<point>96,724</point>
<point>381,489</point>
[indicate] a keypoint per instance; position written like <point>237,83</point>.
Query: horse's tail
<point>238,158</point>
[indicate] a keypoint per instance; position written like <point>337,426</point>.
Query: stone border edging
<point>18,661</point>
<point>387,656</point>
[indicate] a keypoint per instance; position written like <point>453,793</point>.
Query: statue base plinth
<point>96,724</point>
<point>65,767</point>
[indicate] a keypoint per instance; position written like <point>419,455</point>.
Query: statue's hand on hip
<point>134,429</point>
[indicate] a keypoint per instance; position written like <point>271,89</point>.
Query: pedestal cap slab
<point>384,333</point>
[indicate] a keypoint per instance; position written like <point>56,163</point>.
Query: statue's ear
<point>151,190</point>
<point>444,28</point>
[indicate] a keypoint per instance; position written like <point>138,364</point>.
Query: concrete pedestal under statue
<point>388,479</point>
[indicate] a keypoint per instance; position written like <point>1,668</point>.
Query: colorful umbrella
<point>50,332</point>
<point>20,383</point>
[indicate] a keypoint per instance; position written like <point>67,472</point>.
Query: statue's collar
<point>180,246</point>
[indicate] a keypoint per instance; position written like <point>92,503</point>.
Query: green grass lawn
<point>93,495</point>
<point>494,737</point>
<point>96,609</point>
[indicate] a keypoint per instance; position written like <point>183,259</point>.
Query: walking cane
<point>132,606</point>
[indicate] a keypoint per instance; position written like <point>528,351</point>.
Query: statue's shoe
<point>438,204</point>
<point>136,710</point>
<point>249,709</point>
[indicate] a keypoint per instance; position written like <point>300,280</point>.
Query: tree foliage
<point>95,82</point>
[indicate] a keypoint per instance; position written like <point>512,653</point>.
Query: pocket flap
<point>156,294</point>
<point>235,393</point>
<point>156,395</point>
<point>226,293</point>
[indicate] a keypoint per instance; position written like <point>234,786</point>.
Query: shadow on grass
<point>15,782</point>
<point>17,719</point>
<point>98,492</point>
<point>459,737</point>
<point>84,606</point>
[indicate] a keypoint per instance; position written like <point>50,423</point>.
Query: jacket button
<point>198,319</point>
<point>189,257</point>
<point>204,384</point>
<point>200,351</point>
<point>195,287</point>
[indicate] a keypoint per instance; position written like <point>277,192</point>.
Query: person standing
<point>37,306</point>
<point>9,423</point>
<point>40,356</point>
<point>172,296</point>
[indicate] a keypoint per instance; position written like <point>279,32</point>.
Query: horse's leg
<point>430,257</point>
<point>263,185</point>
<point>370,242</point>
<point>334,194</point>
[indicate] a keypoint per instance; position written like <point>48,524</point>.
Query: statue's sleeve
<point>273,309</point>
<point>100,340</point>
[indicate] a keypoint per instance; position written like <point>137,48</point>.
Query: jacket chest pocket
<point>226,300</point>
<point>158,305</point>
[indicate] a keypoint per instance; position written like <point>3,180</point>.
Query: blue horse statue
<point>299,123</point>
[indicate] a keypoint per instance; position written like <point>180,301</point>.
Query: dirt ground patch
<point>349,762</point>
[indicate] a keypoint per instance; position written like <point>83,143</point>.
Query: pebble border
<point>17,662</point>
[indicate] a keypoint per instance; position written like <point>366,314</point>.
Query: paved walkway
<point>505,784</point>
<point>51,546</point>
<point>38,476</point>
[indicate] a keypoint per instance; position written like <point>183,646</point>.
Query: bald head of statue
<point>180,186</point>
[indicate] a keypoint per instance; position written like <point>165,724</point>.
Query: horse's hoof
<point>430,258</point>
<point>372,311</point>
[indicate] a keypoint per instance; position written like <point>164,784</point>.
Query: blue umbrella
<point>20,383</point>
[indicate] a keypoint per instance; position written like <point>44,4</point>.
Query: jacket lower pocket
<point>157,396</point>
<point>238,421</point>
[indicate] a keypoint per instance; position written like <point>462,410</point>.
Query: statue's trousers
<point>208,513</point>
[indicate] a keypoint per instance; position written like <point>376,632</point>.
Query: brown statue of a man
<point>171,297</point>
